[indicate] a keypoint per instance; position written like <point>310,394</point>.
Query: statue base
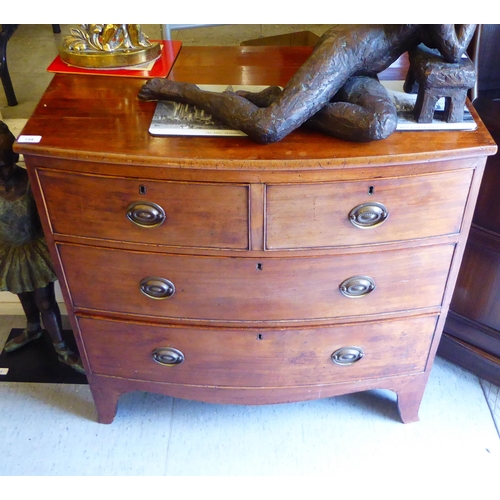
<point>117,59</point>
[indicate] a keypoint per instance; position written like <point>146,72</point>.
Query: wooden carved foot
<point>409,399</point>
<point>106,402</point>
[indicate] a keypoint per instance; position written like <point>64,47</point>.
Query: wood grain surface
<point>256,241</point>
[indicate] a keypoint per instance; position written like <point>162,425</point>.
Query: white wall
<point>9,303</point>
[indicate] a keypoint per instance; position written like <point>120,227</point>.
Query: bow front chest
<point>220,270</point>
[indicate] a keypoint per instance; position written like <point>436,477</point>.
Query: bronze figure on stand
<point>26,268</point>
<point>335,91</point>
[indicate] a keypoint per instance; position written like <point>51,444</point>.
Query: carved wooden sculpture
<point>25,265</point>
<point>335,90</point>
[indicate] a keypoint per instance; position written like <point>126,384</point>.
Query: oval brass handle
<point>146,214</point>
<point>168,356</point>
<point>357,286</point>
<point>348,355</point>
<point>157,288</point>
<point>368,215</point>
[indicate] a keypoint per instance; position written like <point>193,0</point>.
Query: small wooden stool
<point>436,78</point>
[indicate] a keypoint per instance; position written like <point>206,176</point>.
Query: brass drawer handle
<point>157,288</point>
<point>368,215</point>
<point>357,286</point>
<point>348,355</point>
<point>168,356</point>
<point>146,214</point>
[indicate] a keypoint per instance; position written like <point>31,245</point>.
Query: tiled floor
<point>350,441</point>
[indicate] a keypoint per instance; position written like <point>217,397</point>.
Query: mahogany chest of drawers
<point>224,271</point>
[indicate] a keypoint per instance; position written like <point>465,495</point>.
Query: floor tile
<point>52,431</point>
<point>337,435</point>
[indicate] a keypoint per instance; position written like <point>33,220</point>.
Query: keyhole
<point>259,267</point>
<point>142,189</point>
<point>371,190</point>
<point>259,336</point>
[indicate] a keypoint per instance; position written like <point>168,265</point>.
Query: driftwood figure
<point>25,265</point>
<point>335,91</point>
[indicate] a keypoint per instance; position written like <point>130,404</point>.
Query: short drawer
<point>142,211</point>
<point>257,357</point>
<point>247,289</point>
<point>365,212</point>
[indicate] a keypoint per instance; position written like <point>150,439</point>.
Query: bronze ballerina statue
<point>26,268</point>
<point>335,91</point>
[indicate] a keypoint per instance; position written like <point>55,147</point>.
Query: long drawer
<point>365,212</point>
<point>257,357</point>
<point>142,211</point>
<point>246,289</point>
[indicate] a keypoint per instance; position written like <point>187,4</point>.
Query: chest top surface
<point>100,119</point>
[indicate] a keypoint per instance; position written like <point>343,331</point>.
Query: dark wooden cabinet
<point>261,282</point>
<point>472,330</point>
